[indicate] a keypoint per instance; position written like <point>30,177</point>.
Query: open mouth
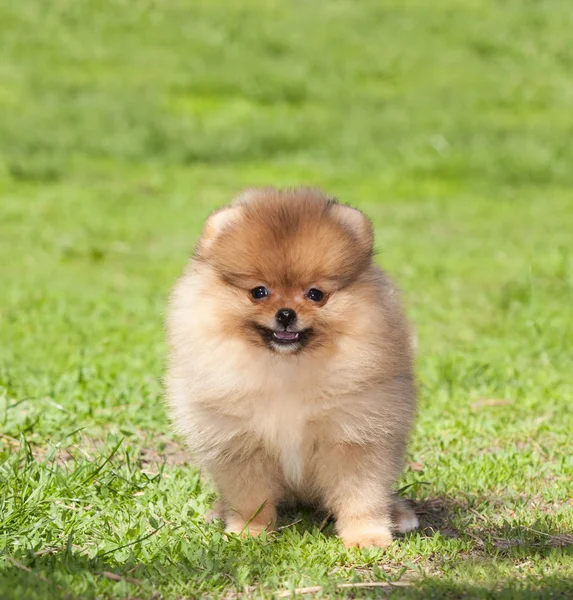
<point>275,338</point>
<point>286,337</point>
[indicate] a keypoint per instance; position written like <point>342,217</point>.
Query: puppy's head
<point>280,260</point>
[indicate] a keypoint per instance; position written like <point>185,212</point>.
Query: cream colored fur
<point>327,425</point>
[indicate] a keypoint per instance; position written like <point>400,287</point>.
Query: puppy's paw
<point>403,517</point>
<point>367,535</point>
<point>244,528</point>
<point>217,512</point>
<point>407,523</point>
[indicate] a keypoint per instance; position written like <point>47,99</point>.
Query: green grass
<point>122,124</point>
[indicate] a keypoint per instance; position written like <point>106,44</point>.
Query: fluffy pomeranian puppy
<point>290,371</point>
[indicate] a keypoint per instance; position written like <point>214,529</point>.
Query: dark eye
<point>315,295</point>
<point>259,293</point>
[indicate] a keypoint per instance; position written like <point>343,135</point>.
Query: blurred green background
<point>123,123</point>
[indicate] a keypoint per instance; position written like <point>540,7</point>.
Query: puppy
<point>290,371</point>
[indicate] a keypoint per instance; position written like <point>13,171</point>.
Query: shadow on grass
<point>92,580</point>
<point>217,565</point>
<point>452,518</point>
<point>455,519</point>
<point>547,587</point>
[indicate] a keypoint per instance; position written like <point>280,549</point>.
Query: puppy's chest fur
<point>286,426</point>
<point>291,415</point>
<point>286,408</point>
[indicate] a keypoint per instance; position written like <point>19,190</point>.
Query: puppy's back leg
<point>403,516</point>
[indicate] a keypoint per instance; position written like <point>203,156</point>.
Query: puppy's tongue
<point>286,335</point>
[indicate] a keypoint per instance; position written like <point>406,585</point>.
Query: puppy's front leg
<point>249,490</point>
<point>356,485</point>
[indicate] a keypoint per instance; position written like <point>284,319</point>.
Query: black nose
<point>285,316</point>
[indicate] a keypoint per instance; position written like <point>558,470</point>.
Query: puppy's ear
<point>217,223</point>
<point>356,223</point>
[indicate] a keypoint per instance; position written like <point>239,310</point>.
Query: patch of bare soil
<point>168,451</point>
<point>154,451</point>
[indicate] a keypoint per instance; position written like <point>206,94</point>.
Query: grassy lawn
<point>122,124</point>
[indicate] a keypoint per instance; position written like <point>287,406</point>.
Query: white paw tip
<point>408,523</point>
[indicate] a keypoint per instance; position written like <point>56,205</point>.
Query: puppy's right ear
<point>357,223</point>
<point>217,223</point>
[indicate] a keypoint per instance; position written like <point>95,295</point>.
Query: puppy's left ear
<point>356,223</point>
<point>217,222</point>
